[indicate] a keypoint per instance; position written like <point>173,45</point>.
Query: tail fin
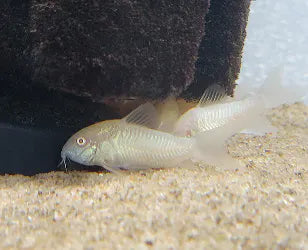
<point>212,144</point>
<point>212,149</point>
<point>271,94</point>
<point>274,93</point>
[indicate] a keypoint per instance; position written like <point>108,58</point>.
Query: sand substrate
<point>263,206</point>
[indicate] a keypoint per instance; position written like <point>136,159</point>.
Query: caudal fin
<point>212,149</point>
<point>274,93</point>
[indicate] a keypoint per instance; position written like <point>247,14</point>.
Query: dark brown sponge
<point>111,49</point>
<point>108,48</point>
<point>221,48</point>
<point>14,40</point>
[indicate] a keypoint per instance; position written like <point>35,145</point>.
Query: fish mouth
<point>64,157</point>
<point>86,160</point>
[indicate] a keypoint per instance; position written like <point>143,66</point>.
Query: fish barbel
<point>128,143</point>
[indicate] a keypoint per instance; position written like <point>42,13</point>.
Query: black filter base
<point>35,124</point>
<point>30,151</point>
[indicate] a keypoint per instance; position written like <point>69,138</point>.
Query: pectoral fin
<point>113,170</point>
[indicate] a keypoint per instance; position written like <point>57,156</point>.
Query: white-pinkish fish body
<point>201,119</point>
<point>245,112</point>
<point>212,111</point>
<point>129,143</point>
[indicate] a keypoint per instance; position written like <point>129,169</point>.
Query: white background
<point>277,36</point>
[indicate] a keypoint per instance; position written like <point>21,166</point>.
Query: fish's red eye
<point>81,141</point>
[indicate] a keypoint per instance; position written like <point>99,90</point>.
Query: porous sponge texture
<point>220,51</point>
<point>101,49</point>
<point>116,48</point>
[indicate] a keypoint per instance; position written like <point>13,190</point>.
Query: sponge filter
<point>116,48</point>
<point>221,48</point>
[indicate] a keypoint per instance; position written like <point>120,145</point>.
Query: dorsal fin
<point>145,115</point>
<point>212,94</point>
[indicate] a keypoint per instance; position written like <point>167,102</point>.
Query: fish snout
<point>64,151</point>
<point>63,154</point>
<point>67,151</point>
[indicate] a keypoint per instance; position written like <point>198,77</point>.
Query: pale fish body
<point>204,118</point>
<point>129,143</point>
<point>246,113</point>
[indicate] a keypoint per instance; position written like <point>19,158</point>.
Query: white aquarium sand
<point>264,205</point>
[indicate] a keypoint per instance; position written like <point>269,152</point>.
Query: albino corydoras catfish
<point>246,111</point>
<point>217,117</point>
<point>214,110</point>
<point>128,143</point>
